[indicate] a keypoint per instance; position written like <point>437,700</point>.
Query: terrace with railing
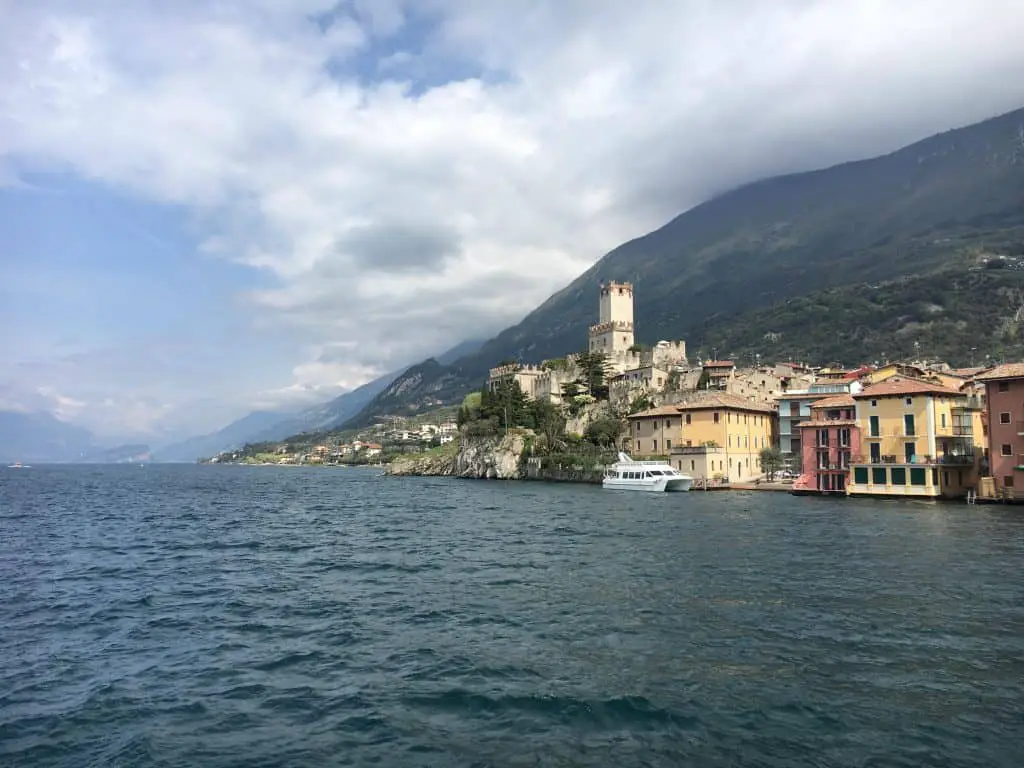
<point>966,458</point>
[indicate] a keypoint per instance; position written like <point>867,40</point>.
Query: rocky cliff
<point>491,458</point>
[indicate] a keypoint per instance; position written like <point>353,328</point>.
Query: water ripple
<point>218,616</point>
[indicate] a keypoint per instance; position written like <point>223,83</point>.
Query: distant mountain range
<point>268,426</point>
<point>41,437</point>
<point>920,251</point>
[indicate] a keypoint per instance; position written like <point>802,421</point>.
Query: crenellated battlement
<point>613,287</point>
<point>612,325</point>
<point>613,336</point>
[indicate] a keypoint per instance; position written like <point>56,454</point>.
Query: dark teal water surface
<point>234,616</point>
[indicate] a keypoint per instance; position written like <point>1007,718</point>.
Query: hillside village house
<point>1004,404</point>
<point>920,438</point>
<point>829,441</point>
<point>713,434</point>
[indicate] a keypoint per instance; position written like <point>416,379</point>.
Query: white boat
<point>18,465</point>
<point>657,476</point>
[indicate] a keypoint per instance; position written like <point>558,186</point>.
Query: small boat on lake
<point>657,476</point>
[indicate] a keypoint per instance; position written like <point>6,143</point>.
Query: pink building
<point>1004,412</point>
<point>828,442</point>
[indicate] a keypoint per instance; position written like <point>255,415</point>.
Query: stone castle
<point>630,365</point>
<point>662,373</point>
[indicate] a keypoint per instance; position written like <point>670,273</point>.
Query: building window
<point>917,476</point>
<point>1004,417</point>
<point>945,477</point>
<point>908,424</point>
<point>687,418</point>
<point>899,476</point>
<point>1004,386</point>
<point>874,403</point>
<point>1008,481</point>
<point>638,446</point>
<point>860,475</point>
<point>878,475</point>
<point>668,445</point>
<point>909,451</point>
<point>716,417</point>
<point>943,420</point>
<point>910,401</point>
<point>693,465</point>
<point>1006,449</point>
<point>874,430</point>
<point>654,445</point>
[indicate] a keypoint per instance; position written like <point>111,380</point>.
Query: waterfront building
<point>1004,408</point>
<point>919,439</point>
<point>829,441</point>
<point>794,408</point>
<point>709,435</point>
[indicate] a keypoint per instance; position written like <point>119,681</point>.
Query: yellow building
<point>918,439</point>
<point>712,434</point>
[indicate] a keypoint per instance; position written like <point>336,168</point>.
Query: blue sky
<point>210,208</point>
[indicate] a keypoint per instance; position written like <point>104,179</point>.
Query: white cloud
<point>544,136</point>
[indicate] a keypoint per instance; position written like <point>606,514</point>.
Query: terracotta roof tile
<point>661,410</point>
<point>719,364</point>
<point>705,400</point>
<point>1007,371</point>
<point>900,385</point>
<point>844,400</point>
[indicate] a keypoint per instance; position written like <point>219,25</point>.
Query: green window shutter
<point>860,475</point>
<point>899,475</point>
<point>878,475</point>
<point>917,476</point>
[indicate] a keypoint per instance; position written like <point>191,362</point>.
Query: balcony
<point>964,430</point>
<point>957,459</point>
<point>970,403</point>
<point>964,459</point>
<point>892,432</point>
<point>696,450</point>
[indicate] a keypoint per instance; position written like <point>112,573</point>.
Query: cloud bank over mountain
<point>391,177</point>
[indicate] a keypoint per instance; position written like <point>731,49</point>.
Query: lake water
<point>235,616</point>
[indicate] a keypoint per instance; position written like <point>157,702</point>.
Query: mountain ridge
<point>938,204</point>
<point>269,426</point>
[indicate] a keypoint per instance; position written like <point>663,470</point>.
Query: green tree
<point>549,419</point>
<point>771,461</point>
<point>507,405</point>
<point>640,403</point>
<point>604,432</point>
<point>594,370</point>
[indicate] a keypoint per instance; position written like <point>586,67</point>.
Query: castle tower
<point>614,330</point>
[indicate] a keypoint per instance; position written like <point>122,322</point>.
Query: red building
<point>1004,415</point>
<point>828,442</point>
